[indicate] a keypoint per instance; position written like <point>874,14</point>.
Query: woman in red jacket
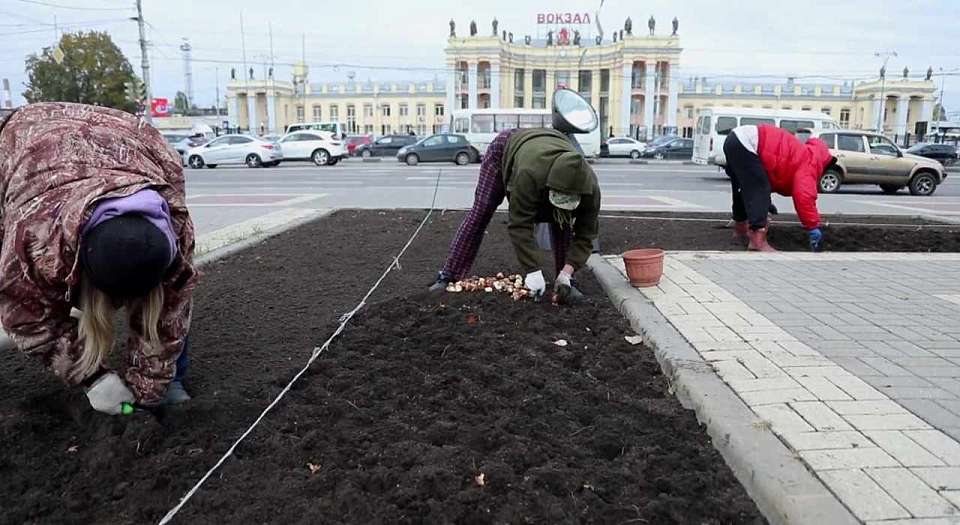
<point>761,159</point>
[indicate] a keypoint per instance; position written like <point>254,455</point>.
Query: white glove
<point>108,394</point>
<point>563,279</point>
<point>535,283</point>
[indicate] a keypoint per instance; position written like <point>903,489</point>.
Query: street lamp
<point>883,79</point>
<point>943,79</point>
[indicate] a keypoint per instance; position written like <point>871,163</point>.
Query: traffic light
<point>135,90</point>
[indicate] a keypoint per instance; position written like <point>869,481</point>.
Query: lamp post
<point>936,119</point>
<point>883,79</point>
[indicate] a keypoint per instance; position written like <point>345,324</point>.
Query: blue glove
<point>816,239</point>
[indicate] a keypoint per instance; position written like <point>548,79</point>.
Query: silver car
<point>235,149</point>
<point>869,158</point>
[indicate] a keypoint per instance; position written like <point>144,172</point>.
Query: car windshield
<point>916,147</point>
<point>173,139</point>
<point>661,141</point>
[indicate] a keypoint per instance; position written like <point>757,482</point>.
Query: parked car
<point>439,148</point>
<point>355,141</point>
<point>669,148</point>
<point>868,158</point>
<point>235,149</point>
<point>626,147</point>
<point>946,154</point>
<point>386,146</point>
<point>182,142</point>
<point>337,128</point>
<point>319,146</point>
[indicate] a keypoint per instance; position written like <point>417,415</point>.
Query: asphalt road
<point>231,194</point>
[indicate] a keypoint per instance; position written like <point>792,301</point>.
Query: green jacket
<point>534,162</point>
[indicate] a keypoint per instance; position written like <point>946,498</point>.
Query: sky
<point>390,40</point>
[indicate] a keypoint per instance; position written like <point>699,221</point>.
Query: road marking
<point>918,207</point>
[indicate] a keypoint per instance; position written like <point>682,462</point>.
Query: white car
<point>235,149</point>
<point>319,146</point>
<point>625,147</point>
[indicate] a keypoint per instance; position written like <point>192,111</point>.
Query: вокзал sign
<point>563,18</point>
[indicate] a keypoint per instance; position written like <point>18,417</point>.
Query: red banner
<point>159,107</point>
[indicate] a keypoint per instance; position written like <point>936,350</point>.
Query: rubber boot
<point>758,241</point>
<point>740,231</point>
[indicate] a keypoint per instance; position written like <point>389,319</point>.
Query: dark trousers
<point>748,182</point>
<point>183,361</point>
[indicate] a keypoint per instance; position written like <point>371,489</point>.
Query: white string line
<point>826,224</point>
<point>313,357</point>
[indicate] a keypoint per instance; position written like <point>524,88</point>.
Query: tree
<point>180,103</point>
<point>939,113</point>
<point>93,71</point>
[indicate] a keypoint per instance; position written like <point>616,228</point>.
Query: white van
<point>481,126</point>
<point>713,125</point>
<point>337,128</point>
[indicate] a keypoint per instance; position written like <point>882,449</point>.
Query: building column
<point>472,85</point>
<point>233,112</point>
<point>649,96</point>
<point>494,85</point>
<point>451,93</point>
<point>272,113</point>
<point>926,111</point>
<point>673,100</point>
<point>877,114</point>
<point>252,120</point>
<point>528,88</point>
<point>903,107</point>
<point>550,85</point>
<point>626,95</point>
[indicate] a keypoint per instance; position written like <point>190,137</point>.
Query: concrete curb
<point>371,159</point>
<point>232,248</point>
<point>782,487</point>
<point>635,161</point>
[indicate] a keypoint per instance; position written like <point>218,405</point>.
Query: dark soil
<point>401,415</point>
<point>621,231</point>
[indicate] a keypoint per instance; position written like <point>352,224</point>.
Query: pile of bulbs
<point>512,285</point>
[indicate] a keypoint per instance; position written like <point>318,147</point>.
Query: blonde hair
<point>96,328</point>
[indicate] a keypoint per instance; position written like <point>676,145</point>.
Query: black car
<point>385,146</point>
<point>946,154</point>
<point>675,148</point>
<point>439,148</point>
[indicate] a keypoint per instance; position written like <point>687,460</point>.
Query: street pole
<point>217,100</point>
<point>943,79</point>
<point>883,80</point>
<point>145,64</point>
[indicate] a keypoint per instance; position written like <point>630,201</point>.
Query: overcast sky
<point>404,40</point>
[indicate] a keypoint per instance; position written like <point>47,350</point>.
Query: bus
<point>480,126</point>
<point>713,125</point>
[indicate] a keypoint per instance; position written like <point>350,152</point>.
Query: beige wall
<point>329,96</point>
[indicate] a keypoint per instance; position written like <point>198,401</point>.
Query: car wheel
<point>658,156</point>
<point>890,189</point>
<point>333,162</point>
<point>412,160</point>
<point>923,184</point>
<point>829,182</point>
<point>366,154</point>
<point>634,154</point>
<point>195,162</point>
<point>320,157</point>
<point>253,161</point>
<point>462,159</point>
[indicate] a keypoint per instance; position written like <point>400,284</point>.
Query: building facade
<point>629,80</point>
<point>375,108</point>
<point>907,102</point>
<point>628,77</point>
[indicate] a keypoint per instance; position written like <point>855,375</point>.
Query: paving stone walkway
<point>852,358</point>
